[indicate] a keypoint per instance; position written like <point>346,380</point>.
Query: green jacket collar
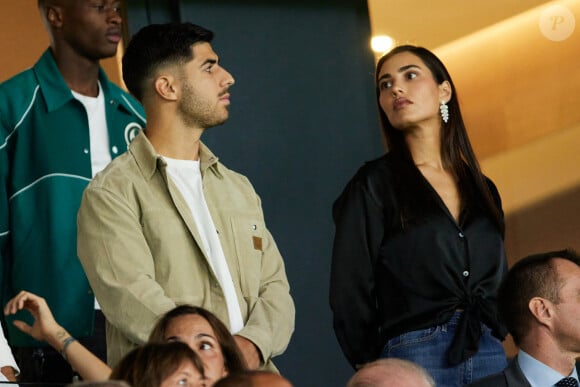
<point>56,92</point>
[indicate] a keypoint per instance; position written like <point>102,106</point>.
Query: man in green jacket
<point>60,123</point>
<point>167,223</point>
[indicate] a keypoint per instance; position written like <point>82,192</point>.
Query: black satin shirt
<point>401,262</point>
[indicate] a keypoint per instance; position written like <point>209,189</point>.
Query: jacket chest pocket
<point>249,240</point>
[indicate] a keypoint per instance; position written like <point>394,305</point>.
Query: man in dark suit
<point>539,301</point>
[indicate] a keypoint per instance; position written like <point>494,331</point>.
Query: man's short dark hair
<point>157,45</point>
<point>532,276</point>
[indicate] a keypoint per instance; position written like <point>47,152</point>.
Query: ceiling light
<point>382,43</point>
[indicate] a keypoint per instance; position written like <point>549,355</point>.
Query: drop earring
<point>444,111</point>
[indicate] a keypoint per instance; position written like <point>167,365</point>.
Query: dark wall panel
<point>302,120</point>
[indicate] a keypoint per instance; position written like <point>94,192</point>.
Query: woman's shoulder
<point>491,185</point>
<point>379,169</point>
<point>494,191</point>
<point>479,195</point>
<point>372,181</point>
<point>472,177</point>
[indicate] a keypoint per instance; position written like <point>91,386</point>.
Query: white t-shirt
<point>186,175</point>
<point>6,357</point>
<point>98,134</point>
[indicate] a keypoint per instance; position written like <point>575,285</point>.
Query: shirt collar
<point>52,85</point>
<point>208,160</point>
<point>539,374</point>
<point>148,160</point>
<point>56,92</point>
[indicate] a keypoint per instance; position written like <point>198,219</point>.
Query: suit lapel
<point>514,375</point>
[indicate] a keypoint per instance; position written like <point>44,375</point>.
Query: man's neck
<point>172,140</point>
<point>548,353</point>
<point>80,74</point>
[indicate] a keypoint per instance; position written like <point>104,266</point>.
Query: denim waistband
<point>455,318</point>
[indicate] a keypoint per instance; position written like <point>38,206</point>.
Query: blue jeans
<point>428,348</point>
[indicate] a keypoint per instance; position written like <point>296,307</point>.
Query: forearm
<point>134,309</point>
<point>271,322</point>
<point>270,326</point>
<point>353,303</point>
<point>83,361</point>
<point>9,373</point>
<point>119,264</point>
<point>359,230</point>
<point>251,352</point>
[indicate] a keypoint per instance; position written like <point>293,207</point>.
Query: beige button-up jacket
<point>138,244</point>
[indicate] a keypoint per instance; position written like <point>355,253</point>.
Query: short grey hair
<point>391,363</point>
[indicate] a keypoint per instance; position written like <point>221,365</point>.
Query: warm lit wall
<point>520,95</point>
<point>24,39</point>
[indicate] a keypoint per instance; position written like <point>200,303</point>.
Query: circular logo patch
<point>131,131</point>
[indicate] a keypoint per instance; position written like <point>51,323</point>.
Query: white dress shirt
<point>539,374</point>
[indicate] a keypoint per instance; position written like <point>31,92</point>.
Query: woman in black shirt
<point>418,253</point>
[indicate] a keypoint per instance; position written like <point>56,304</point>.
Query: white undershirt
<point>186,175</point>
<point>6,357</point>
<point>98,134</point>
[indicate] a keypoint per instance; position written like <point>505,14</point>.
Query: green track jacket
<point>44,167</point>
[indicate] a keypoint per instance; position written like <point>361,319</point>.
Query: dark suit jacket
<point>511,376</point>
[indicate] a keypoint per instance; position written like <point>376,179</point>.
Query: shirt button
<point>461,235</point>
<point>254,227</point>
<point>465,273</point>
<point>114,149</point>
<point>86,151</point>
<point>112,101</point>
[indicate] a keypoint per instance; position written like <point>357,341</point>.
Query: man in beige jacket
<point>166,223</point>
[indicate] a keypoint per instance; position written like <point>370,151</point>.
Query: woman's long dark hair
<point>456,150</point>
<point>233,358</point>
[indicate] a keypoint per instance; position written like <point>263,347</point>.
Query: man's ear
<point>166,87</point>
<point>445,91</point>
<point>54,15</point>
<point>542,310</point>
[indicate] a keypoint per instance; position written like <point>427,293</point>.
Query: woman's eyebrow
<point>400,70</point>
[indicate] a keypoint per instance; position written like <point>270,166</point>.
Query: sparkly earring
<point>444,111</point>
